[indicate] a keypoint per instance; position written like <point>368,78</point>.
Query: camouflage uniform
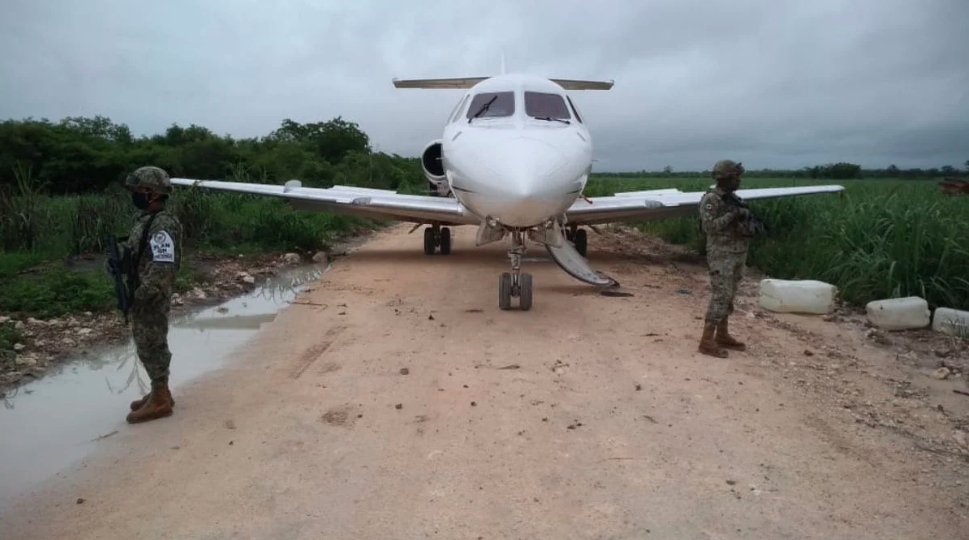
<point>157,267</point>
<point>727,235</point>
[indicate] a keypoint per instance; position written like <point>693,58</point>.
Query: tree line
<point>80,155</point>
<point>829,171</point>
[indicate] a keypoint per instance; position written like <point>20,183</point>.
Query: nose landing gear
<point>515,284</point>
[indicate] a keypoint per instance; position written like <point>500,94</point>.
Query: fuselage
<point>524,158</point>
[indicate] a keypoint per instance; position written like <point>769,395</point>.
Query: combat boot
<point>724,339</point>
<point>708,345</point>
<point>138,403</point>
<point>158,404</point>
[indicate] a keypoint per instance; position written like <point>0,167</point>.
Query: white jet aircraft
<point>514,159</point>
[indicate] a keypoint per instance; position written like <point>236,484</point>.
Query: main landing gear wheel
<point>579,239</point>
<point>435,237</point>
<point>445,241</point>
<point>515,284</point>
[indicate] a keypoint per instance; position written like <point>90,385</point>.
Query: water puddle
<point>48,424</point>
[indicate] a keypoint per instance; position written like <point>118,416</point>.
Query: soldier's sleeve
<point>712,214</point>
<point>162,255</point>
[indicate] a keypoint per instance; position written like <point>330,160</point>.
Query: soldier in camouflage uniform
<point>727,235</point>
<point>157,263</point>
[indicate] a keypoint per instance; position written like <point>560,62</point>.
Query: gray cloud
<point>781,83</point>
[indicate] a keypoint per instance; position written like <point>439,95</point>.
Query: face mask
<point>139,200</point>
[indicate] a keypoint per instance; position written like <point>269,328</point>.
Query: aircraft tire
<point>581,242</point>
<point>525,295</point>
<point>445,241</point>
<point>429,241</point>
<point>504,291</point>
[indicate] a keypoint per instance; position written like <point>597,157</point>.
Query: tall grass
<point>878,239</point>
<point>51,248</point>
<point>58,227</point>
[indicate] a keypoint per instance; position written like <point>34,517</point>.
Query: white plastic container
<point>951,321</point>
<point>797,296</point>
<point>906,313</point>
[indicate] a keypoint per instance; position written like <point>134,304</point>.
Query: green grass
<point>51,248</point>
<point>878,239</point>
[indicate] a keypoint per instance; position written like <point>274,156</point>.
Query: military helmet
<point>726,167</point>
<point>150,177</point>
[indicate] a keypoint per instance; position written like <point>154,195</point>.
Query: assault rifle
<point>753,223</point>
<point>119,266</point>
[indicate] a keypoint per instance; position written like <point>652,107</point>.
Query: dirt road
<point>408,406</point>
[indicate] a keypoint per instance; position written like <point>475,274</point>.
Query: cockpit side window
<point>546,105</point>
<point>574,110</point>
<point>502,104</point>
<point>457,109</point>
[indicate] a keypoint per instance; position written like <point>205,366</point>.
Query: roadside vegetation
<point>891,234</point>
<point>882,237</point>
<point>61,194</point>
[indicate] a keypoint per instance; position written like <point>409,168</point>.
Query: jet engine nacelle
<point>433,167</point>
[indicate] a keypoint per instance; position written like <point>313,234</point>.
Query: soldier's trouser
<point>726,271</point>
<point>149,327</point>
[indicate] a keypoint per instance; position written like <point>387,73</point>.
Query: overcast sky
<point>774,83</point>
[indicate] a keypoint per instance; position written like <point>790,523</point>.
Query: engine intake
<point>432,163</point>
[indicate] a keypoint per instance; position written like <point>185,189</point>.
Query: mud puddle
<point>48,424</point>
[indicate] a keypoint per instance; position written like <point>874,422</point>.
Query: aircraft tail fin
<point>446,83</point>
<point>467,82</point>
<point>583,84</point>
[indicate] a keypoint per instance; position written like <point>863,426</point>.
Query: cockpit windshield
<point>546,106</point>
<point>492,105</point>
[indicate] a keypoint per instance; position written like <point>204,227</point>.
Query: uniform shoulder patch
<point>162,247</point>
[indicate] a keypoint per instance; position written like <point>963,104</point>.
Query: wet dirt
<point>47,344</point>
<point>62,416</point>
<point>395,400</point>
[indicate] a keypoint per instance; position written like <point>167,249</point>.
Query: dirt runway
<point>399,402</point>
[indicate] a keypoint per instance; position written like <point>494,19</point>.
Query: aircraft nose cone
<point>529,167</point>
<point>528,177</point>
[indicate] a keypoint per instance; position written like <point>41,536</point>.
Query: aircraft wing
<point>667,203</point>
<point>354,201</point>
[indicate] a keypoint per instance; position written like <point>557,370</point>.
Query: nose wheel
<point>515,284</point>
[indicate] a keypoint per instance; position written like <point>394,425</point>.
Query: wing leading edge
<point>667,203</point>
<point>387,204</point>
<point>348,200</point>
